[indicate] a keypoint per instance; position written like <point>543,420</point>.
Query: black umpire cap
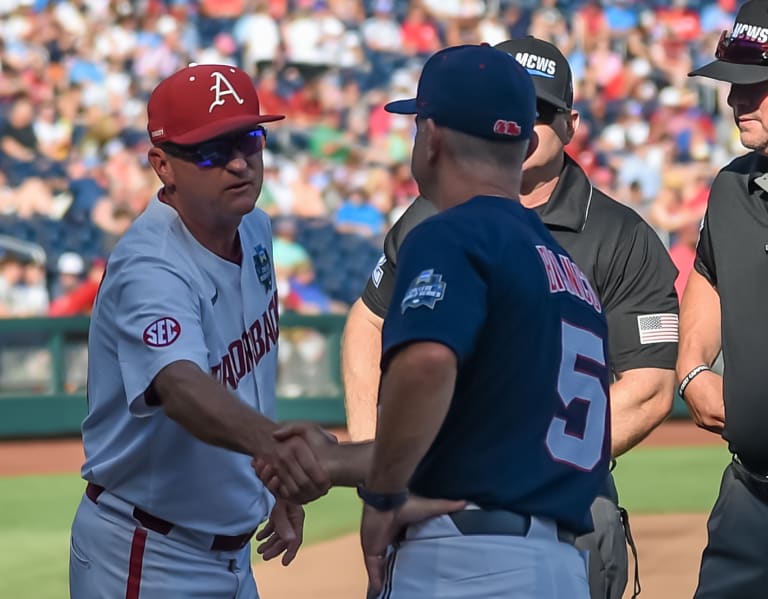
<point>742,54</point>
<point>547,66</point>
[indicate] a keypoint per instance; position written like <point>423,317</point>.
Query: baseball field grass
<point>36,511</point>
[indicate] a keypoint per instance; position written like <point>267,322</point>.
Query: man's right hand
<point>309,476</point>
<point>294,466</point>
<point>704,397</point>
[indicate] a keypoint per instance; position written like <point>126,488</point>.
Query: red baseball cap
<point>203,101</point>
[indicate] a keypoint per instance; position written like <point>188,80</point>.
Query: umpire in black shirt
<point>724,307</point>
<point>626,264</point>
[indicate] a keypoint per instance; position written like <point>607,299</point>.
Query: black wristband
<point>690,376</point>
<point>383,502</point>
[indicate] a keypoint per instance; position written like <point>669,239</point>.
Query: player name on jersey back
<point>564,275</point>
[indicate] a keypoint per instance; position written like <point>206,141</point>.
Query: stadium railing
<point>43,365</point>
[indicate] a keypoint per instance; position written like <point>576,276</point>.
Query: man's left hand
<point>284,532</point>
<point>379,530</point>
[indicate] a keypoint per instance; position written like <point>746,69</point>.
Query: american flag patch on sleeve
<point>657,328</point>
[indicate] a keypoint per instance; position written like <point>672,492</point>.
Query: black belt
<point>163,527</point>
<point>757,483</point>
<point>500,522</point>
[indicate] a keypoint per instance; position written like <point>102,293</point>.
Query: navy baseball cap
<point>546,64</point>
<point>476,90</point>
<point>742,54</point>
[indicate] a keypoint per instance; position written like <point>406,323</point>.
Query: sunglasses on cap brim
<point>546,112</point>
<point>740,50</point>
<point>219,152</point>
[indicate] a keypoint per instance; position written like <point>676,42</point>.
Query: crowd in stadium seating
<point>75,76</point>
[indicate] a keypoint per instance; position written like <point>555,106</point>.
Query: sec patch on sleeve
<point>162,332</point>
<point>426,290</point>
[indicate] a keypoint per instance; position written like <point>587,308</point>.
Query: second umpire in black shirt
<point>724,308</point>
<point>621,255</point>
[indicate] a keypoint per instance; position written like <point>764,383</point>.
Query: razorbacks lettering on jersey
<point>166,298</point>
<point>528,426</point>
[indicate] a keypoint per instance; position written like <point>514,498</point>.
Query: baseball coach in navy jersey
<point>493,331</point>
<point>624,261</point>
<point>484,467</point>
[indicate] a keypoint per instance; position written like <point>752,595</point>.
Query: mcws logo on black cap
<point>540,66</point>
<point>752,32</point>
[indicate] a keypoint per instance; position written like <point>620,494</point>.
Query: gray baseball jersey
<point>166,298</point>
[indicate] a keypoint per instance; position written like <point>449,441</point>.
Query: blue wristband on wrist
<point>382,502</point>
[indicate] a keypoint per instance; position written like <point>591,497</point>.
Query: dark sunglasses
<point>741,50</point>
<point>218,152</point>
<point>546,113</point>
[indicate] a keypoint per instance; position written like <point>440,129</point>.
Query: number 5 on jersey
<point>583,451</point>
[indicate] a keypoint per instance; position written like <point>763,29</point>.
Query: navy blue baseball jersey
<point>528,425</point>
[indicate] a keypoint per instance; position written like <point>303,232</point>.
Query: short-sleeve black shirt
<point>732,254</point>
<point>624,259</point>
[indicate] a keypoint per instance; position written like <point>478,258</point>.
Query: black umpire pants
<point>607,546</point>
<point>734,564</point>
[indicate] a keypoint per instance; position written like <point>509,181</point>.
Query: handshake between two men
<point>305,462</point>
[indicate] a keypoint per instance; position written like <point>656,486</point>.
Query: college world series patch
<point>426,290</point>
<point>263,266</point>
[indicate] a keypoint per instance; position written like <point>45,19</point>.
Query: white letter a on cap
<point>222,88</point>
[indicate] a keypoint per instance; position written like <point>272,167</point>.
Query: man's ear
<point>160,163</point>
<point>533,143</point>
<point>571,124</point>
<point>434,140</point>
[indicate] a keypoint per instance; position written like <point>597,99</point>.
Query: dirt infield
<point>669,546</point>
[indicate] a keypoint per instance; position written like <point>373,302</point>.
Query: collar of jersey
<point>758,167</point>
<point>569,203</point>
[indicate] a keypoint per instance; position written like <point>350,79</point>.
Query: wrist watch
<point>382,502</point>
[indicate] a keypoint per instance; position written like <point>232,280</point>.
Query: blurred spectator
<point>79,298</point>
<point>257,34</point>
<point>11,281</point>
<point>634,197</point>
<point>683,253</point>
<point>383,40</point>
<point>312,38</point>
<point>54,133</point>
<point>276,198</point>
<point>19,149</point>
<point>357,215</point>
<point>70,268</point>
<point>455,9</point>
<point>681,202</point>
<point>590,25</point>
<point>305,184</point>
<point>419,34</point>
<point>216,17</point>
<point>33,295</point>
<point>517,19</point>
<point>306,297</point>
<point>548,23</point>
<point>621,16</point>
<point>288,253</point>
